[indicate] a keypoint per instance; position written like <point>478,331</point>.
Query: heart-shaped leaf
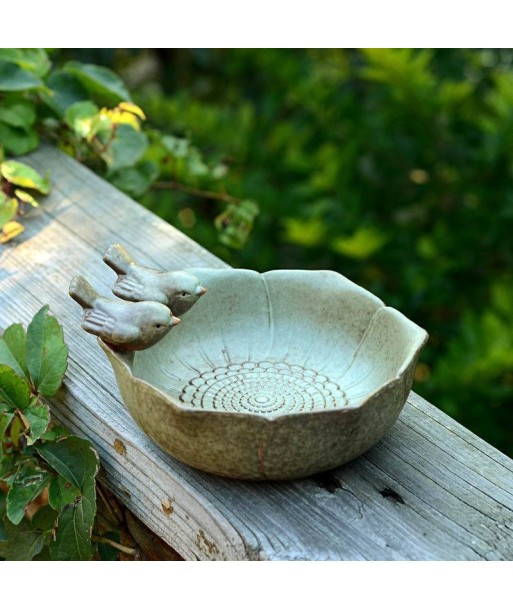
<point>23,541</point>
<point>14,391</point>
<point>47,352</point>
<point>13,349</point>
<point>22,175</point>
<point>5,421</point>
<point>15,78</point>
<point>18,112</point>
<point>73,538</point>
<point>37,415</point>
<point>73,458</point>
<point>99,81</point>
<point>135,180</point>
<point>61,493</point>
<point>126,148</point>
<point>33,60</point>
<point>28,484</point>
<point>45,518</point>
<point>18,141</point>
<point>8,208</point>
<point>3,532</point>
<point>79,117</point>
<point>66,89</point>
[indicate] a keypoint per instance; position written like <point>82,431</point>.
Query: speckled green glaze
<point>273,376</point>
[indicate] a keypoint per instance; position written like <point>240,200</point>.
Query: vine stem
<point>207,194</point>
<point>126,550</point>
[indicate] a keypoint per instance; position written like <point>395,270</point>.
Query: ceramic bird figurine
<point>176,289</point>
<point>131,326</point>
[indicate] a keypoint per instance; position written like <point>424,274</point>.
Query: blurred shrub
<point>393,167</point>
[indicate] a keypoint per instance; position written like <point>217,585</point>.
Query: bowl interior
<point>280,342</point>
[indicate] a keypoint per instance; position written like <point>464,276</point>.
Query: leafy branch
<point>88,111</point>
<point>51,506</point>
<point>197,192</point>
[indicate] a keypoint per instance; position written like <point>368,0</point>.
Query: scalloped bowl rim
<point>126,360</point>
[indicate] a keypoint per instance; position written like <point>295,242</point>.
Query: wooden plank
<point>429,490</point>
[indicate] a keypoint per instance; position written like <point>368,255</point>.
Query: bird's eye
<point>158,326</point>
<point>184,294</point>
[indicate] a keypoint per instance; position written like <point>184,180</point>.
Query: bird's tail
<point>118,259</point>
<point>83,292</point>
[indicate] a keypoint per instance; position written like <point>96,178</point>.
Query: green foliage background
<point>393,167</point>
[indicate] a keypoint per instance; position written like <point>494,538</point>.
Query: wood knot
<point>391,495</point>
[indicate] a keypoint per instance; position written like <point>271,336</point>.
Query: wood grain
<point>429,490</point>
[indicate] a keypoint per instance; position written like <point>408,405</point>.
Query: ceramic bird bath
<point>272,376</point>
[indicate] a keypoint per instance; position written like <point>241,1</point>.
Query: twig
<point>207,194</point>
<point>130,551</point>
<point>118,518</point>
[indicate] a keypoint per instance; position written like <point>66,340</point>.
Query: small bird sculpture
<point>131,326</point>
<point>176,289</point>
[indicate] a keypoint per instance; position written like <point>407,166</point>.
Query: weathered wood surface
<point>429,490</point>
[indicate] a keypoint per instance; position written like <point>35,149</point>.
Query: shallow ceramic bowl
<point>273,376</point>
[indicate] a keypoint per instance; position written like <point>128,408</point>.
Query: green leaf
<point>34,60</point>
<point>77,463</point>
<point>126,148</point>
<point>66,90</point>
<point>23,541</point>
<point>178,147</point>
<point>73,538</point>
<point>18,112</point>
<point>44,555</point>
<point>5,421</point>
<point>62,492</point>
<point>22,175</point>
<point>106,551</point>
<point>28,484</point>
<point>99,81</point>
<point>6,466</point>
<point>54,433</point>
<point>79,117</point>
<point>38,417</point>
<point>3,532</point>
<point>45,518</point>
<point>18,141</point>
<point>47,352</point>
<point>135,181</point>
<point>8,208</point>
<point>14,434</point>
<point>195,163</point>
<point>21,195</point>
<point>13,349</point>
<point>362,244</point>
<point>73,458</point>
<point>236,222</point>
<point>15,78</point>
<point>307,233</point>
<point>14,391</point>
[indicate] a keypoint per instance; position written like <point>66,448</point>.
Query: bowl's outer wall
<point>245,445</point>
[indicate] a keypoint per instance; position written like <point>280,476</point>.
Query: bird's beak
<point>202,291</point>
<point>175,320</point>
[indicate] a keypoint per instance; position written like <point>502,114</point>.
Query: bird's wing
<point>125,334</point>
<point>98,321</point>
<point>128,287</point>
<point>131,287</point>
